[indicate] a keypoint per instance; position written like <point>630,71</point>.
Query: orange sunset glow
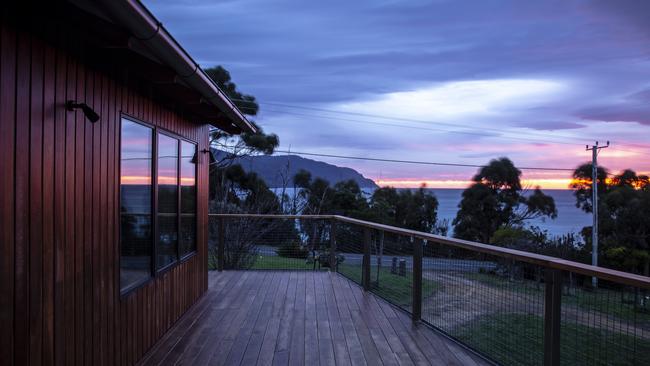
<point>139,180</point>
<point>559,183</point>
<point>544,183</point>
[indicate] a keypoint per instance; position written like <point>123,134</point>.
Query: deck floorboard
<point>310,318</point>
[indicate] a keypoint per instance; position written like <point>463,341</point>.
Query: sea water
<point>570,219</point>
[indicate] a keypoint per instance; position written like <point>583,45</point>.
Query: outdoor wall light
<point>92,116</point>
<point>195,157</point>
<point>213,160</point>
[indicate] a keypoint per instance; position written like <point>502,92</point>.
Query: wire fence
<point>514,308</point>
<point>269,243</point>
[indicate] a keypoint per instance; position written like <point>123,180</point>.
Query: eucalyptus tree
<point>497,199</point>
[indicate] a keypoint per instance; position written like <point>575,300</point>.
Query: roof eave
<point>146,28</point>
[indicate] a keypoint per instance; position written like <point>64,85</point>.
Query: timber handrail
<point>621,277</point>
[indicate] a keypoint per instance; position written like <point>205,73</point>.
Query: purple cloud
<point>327,54</point>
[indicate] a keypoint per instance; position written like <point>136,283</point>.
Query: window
<point>188,198</point>
<point>167,244</point>
<point>135,204</point>
<point>157,202</point>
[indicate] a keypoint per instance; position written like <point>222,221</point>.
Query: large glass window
<point>188,198</point>
<point>157,202</point>
<point>167,245</point>
<point>135,204</point>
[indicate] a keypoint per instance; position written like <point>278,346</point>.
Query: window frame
<point>155,272</point>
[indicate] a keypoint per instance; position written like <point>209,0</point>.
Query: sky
<point>440,81</point>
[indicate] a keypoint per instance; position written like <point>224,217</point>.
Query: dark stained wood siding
<point>59,200</point>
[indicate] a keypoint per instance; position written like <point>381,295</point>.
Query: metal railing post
<point>417,280</point>
<point>333,263</point>
<point>365,277</point>
<point>221,244</point>
<point>552,316</point>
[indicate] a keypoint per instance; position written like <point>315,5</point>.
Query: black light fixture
<point>92,116</point>
<point>213,160</point>
<point>195,157</point>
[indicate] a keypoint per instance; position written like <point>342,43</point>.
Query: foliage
<point>582,185</point>
<point>535,240</point>
<point>318,197</point>
<point>415,210</point>
<point>245,143</point>
<point>246,103</point>
<point>223,174</point>
<point>247,193</point>
<point>623,217</point>
<point>496,199</point>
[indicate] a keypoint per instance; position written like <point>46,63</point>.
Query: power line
<point>501,135</point>
<point>412,161</point>
<point>397,118</point>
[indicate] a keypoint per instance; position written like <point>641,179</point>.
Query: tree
<point>415,210</point>
<point>535,240</point>
<point>248,193</point>
<point>230,146</point>
<point>496,199</point>
<point>407,209</point>
<point>623,217</point>
<point>315,194</point>
<point>582,185</point>
<point>245,143</point>
<point>347,199</point>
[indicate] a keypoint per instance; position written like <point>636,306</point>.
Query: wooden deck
<point>299,318</point>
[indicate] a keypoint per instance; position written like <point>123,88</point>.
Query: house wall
<point>59,244</point>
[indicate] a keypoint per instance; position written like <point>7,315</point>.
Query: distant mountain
<point>273,168</point>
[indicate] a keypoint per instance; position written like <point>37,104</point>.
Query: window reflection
<point>173,224</point>
<point>166,250</point>
<point>135,203</point>
<point>188,199</point>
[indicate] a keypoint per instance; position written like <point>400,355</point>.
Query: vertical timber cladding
<point>59,198</point>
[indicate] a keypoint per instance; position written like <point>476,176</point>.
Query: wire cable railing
<point>510,306</point>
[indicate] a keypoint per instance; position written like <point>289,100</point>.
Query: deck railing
<point>513,307</point>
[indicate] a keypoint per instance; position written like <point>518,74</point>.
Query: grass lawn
<point>394,288</point>
<point>517,339</point>
<point>277,262</point>
<point>603,300</point>
<point>504,283</point>
<point>609,302</point>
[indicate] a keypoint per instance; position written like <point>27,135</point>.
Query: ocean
<point>569,217</point>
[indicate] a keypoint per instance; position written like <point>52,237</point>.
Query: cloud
<point>458,99</point>
<point>635,107</point>
<point>625,112</point>
<point>534,80</point>
<point>551,125</point>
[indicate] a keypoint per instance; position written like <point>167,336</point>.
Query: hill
<point>276,169</point>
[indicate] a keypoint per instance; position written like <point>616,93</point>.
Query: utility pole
<point>595,149</point>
